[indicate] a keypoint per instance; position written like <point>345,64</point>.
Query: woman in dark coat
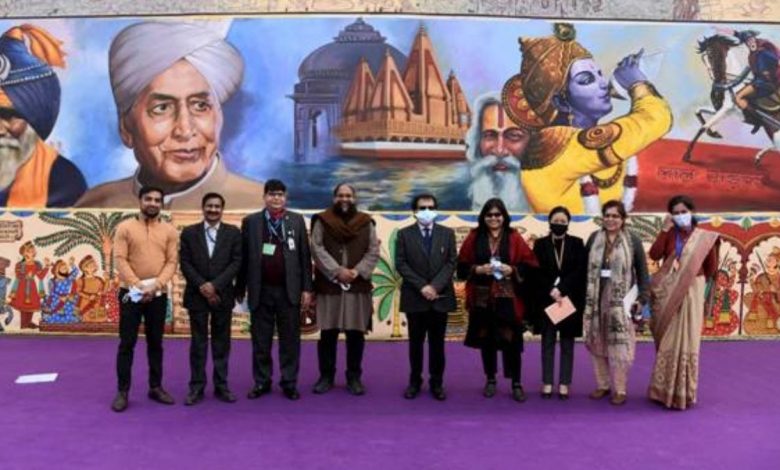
<point>562,273</point>
<point>495,262</point>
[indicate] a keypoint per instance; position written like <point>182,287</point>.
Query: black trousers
<point>220,348</point>
<point>434,325</point>
<point>130,315</point>
<point>276,312</point>
<point>549,335</point>
<point>511,357</point>
<point>326,352</point>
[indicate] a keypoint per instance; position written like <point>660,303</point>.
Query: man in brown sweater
<point>145,250</point>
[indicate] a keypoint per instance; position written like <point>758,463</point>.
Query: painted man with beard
<point>169,81</point>
<point>345,249</point>
<point>495,147</point>
<point>29,105</point>
<point>145,250</point>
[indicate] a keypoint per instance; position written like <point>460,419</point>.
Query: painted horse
<point>727,65</point>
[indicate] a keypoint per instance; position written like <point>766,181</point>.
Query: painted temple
<point>415,114</point>
<point>324,77</point>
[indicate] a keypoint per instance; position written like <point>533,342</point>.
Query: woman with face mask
<point>617,287</point>
<point>496,262</point>
<point>690,258</point>
<point>562,260</point>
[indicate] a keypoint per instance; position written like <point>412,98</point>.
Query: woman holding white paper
<point>616,263</point>
<point>561,281</point>
<point>690,257</point>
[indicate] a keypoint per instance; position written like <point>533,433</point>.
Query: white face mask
<point>683,220</point>
<point>426,216</point>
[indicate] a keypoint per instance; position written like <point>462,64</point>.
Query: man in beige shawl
<point>169,81</point>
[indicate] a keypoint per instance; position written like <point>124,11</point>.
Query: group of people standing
<point>279,267</point>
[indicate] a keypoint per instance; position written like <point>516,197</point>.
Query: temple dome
<point>339,58</point>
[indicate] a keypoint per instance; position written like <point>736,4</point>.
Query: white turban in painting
<point>142,51</point>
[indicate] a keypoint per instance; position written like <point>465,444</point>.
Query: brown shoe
<point>598,394</point>
<point>120,402</point>
<point>618,399</point>
<point>159,395</point>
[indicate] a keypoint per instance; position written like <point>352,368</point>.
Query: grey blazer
<point>418,268</point>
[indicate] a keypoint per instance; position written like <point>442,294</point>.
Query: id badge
<point>269,249</point>
<point>291,244</point>
<point>606,273</point>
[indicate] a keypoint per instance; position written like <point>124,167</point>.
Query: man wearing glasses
<point>276,276</point>
<point>425,257</point>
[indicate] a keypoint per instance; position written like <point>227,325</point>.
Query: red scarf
<point>519,253</point>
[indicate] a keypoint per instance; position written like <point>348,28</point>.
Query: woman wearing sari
<point>690,255</point>
<point>495,260</point>
<point>616,263</point>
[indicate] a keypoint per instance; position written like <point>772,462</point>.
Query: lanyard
<point>276,229</point>
<point>559,256</point>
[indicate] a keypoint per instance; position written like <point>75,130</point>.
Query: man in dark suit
<point>277,276</point>
<point>426,256</point>
<point>210,257</point>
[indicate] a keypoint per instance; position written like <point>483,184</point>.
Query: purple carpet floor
<point>68,423</point>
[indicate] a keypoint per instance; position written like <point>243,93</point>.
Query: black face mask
<point>559,229</point>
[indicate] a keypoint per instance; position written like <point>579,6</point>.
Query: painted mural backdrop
<point>57,275</point>
<point>468,108</point>
<point>536,112</point>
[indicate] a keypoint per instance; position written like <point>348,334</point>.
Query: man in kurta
<point>345,249</point>
<point>169,82</point>
<point>29,106</point>
<point>559,96</point>
<point>27,289</point>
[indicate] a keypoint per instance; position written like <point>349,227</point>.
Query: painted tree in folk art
<point>387,287</point>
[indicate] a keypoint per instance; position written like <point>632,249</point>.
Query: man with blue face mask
<point>425,256</point>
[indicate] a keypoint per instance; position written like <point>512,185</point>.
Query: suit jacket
<point>220,269</point>
<point>418,268</point>
<point>572,282</point>
<point>297,261</point>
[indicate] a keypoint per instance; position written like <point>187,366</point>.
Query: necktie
<point>211,234</point>
<point>427,239</point>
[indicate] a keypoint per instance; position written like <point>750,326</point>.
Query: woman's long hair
<point>493,203</point>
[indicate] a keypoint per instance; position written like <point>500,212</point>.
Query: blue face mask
<point>426,216</point>
<point>683,220</point>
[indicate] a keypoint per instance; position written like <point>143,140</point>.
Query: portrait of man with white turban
<point>29,106</point>
<point>169,81</point>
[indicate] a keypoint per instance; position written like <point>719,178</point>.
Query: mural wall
<point>57,275</point>
<point>92,108</point>
<point>533,111</point>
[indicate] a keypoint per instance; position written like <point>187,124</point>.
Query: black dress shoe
<point>411,391</point>
<point>193,398</point>
<point>120,402</point>
<point>355,387</point>
<point>291,393</point>
<point>159,395</point>
<point>518,394</point>
<point>438,392</point>
<point>323,385</point>
<point>490,389</point>
<point>225,395</point>
<point>258,392</point>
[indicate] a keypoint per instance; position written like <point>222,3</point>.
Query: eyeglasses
<point>493,215</point>
<point>422,208</point>
<point>612,216</point>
